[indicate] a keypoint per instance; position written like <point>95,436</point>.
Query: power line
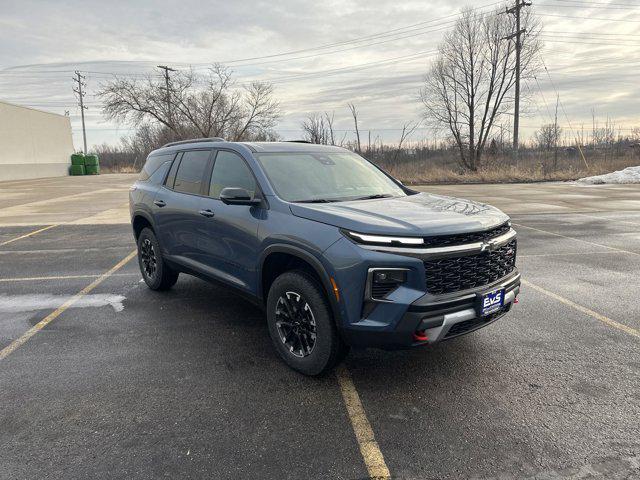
<point>581,3</point>
<point>569,40</point>
<point>345,49</point>
<point>588,18</point>
<point>564,111</point>
<point>356,40</point>
<point>593,33</point>
<point>350,68</point>
<point>387,33</point>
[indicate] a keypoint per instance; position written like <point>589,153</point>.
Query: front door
<point>230,233</point>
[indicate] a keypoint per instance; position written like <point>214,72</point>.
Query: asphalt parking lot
<point>102,378</point>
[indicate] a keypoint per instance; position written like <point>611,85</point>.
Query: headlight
<point>383,239</point>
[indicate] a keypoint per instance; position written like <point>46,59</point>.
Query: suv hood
<point>421,214</point>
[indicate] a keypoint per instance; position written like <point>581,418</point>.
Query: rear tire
<point>155,272</point>
<point>301,324</point>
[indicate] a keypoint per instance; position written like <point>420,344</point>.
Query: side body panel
<point>229,242</point>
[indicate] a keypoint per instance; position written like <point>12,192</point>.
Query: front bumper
<point>437,318</point>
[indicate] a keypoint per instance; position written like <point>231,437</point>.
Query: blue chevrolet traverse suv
<point>336,251</point>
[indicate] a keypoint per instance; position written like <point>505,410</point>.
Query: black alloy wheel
<point>148,258</point>
<point>296,324</point>
<point>301,324</point>
<point>156,273</point>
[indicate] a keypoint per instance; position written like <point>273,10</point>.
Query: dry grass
<point>502,171</point>
<point>533,167</point>
<point>120,169</point>
<point>413,174</point>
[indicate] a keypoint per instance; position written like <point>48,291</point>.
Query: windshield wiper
<point>317,200</point>
<point>371,197</point>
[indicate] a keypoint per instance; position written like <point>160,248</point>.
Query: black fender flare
<point>311,260</point>
<point>145,215</point>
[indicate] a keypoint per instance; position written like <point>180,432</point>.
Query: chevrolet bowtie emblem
<point>489,246</point>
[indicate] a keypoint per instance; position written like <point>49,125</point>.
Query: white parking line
<point>576,239</point>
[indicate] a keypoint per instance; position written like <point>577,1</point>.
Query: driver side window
<point>230,170</point>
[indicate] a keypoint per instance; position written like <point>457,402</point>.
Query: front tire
<point>301,324</point>
<point>155,272</point>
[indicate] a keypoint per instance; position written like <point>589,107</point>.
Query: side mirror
<point>238,196</point>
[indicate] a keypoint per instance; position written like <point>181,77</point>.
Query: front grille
<point>449,275</point>
<point>464,327</point>
<point>464,238</point>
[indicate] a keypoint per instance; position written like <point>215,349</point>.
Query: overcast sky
<point>592,51</point>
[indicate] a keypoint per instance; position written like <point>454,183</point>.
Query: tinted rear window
<point>152,164</point>
<point>191,171</point>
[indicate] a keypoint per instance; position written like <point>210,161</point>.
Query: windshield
<point>322,177</point>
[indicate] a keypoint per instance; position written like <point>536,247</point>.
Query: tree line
<point>466,94</point>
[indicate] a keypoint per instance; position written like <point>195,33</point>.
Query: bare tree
<point>548,136</point>
<point>331,140</point>
<point>318,128</point>
<point>354,113</point>
<point>201,105</point>
<point>468,87</point>
<point>407,130</point>
<point>315,130</point>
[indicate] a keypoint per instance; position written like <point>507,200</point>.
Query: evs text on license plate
<point>491,302</point>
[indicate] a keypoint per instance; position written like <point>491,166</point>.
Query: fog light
<point>390,276</point>
<point>382,281</point>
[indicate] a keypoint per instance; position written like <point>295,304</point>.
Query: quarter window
<point>230,170</point>
<point>171,178</point>
<point>190,172</point>
<point>152,164</point>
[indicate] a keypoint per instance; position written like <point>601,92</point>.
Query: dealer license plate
<point>491,302</point>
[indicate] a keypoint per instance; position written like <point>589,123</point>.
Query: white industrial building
<point>33,143</point>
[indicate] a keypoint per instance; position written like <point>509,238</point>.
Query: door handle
<point>206,213</point>
<point>159,203</point>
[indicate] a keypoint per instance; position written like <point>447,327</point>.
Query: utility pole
<point>515,10</point>
<point>166,81</point>
<point>79,79</point>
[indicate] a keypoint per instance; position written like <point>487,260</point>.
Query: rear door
<point>230,233</point>
<point>177,206</point>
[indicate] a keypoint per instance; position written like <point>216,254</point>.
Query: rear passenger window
<point>152,164</point>
<point>191,170</point>
<point>229,170</point>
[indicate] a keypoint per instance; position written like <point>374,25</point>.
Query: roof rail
<point>298,141</point>
<point>195,140</point>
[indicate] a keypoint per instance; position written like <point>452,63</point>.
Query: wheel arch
<point>267,274</point>
<point>139,221</point>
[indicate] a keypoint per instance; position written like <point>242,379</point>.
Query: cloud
<point>589,51</point>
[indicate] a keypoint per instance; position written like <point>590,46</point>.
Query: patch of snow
<point>628,175</point>
<point>31,303</point>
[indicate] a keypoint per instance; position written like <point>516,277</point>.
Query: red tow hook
<point>420,336</point>
<point>516,300</point>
